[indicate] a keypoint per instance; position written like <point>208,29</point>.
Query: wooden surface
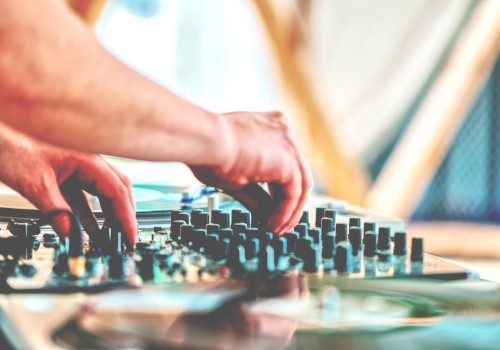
<point>410,168</point>
<point>339,175</point>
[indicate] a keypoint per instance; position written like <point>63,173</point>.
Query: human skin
<point>60,86</point>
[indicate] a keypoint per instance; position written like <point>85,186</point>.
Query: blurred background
<point>395,102</point>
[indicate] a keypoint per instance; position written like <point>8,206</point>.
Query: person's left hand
<point>54,179</point>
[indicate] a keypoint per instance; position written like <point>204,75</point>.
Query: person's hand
<point>261,149</point>
<point>54,179</point>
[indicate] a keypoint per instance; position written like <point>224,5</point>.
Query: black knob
<point>212,228</point>
<point>116,268</point>
<point>253,232</point>
<point>332,214</point>
<point>400,243</point>
<point>147,264</point>
<point>302,229</point>
<point>252,248</point>
<point>186,234</point>
<point>312,258</point>
<point>199,218</point>
<point>174,215</point>
<point>235,216</point>
<point>368,227</point>
<point>175,229</point>
<point>341,232</point>
<point>50,237</point>
<point>304,219</point>
<point>226,233</point>
<point>303,245</point>
<point>236,257</point>
<point>327,225</point>
<point>343,257</point>
<point>315,234</point>
<point>239,228</point>
<point>354,222</point>
<point>329,245</point>
<point>265,238</point>
<point>291,241</point>
<point>183,216</point>
<point>280,246</point>
<point>266,260</point>
<point>320,213</point>
<point>417,249</point>
<point>355,239</point>
<point>384,239</point>
<point>198,239</point>
<point>370,244</point>
<point>211,244</point>
<point>223,219</point>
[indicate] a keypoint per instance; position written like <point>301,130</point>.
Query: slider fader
<point>209,244</point>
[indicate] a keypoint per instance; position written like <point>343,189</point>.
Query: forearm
<point>60,85</point>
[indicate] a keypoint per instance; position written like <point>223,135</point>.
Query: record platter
<point>206,275</point>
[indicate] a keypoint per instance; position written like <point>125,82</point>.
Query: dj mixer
<point>212,241</point>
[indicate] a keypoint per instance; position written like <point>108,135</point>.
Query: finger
<point>126,181</point>
<point>75,197</point>
<point>256,199</point>
<point>305,188</point>
<point>45,195</point>
<point>286,195</point>
<point>113,195</point>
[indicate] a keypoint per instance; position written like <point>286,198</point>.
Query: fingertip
<point>61,223</point>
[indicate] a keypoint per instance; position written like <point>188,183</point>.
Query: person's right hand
<point>260,149</point>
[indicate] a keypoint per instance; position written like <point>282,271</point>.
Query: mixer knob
<point>175,229</point>
<point>291,241</point>
<point>147,265</point>
<point>417,249</point>
<point>27,270</point>
<point>221,218</point>
<point>303,245</point>
<point>235,216</point>
<point>329,245</point>
<point>266,260</point>
<point>280,246</point>
<point>252,248</point>
<point>186,234</point>
<point>320,213</point>
<point>370,245</point>
<point>116,266</point>
<point>343,258</point>
<point>212,228</point>
<point>174,215</point>
<point>332,214</point>
<point>312,257</point>
<point>198,239</point>
<point>304,219</point>
<point>354,222</point>
<point>226,233</point>
<point>400,244</point>
<point>142,245</point>
<point>236,258</point>
<point>315,234</point>
<point>341,232</point>
<point>355,239</point>
<point>183,216</point>
<point>368,227</point>
<point>199,218</point>
<point>245,217</point>
<point>384,241</point>
<point>302,229</point>
<point>239,228</point>
<point>327,225</point>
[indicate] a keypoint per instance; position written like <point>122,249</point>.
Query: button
<point>355,239</point>
<point>370,244</point>
<point>320,213</point>
<point>315,234</point>
<point>343,258</point>
<point>341,232</point>
<point>312,257</point>
<point>384,239</point>
<point>240,228</point>
<point>329,245</point>
<point>400,243</point>
<point>417,249</point>
<point>304,219</point>
<point>175,229</point>
<point>327,225</point>
<point>354,222</point>
<point>302,229</point>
